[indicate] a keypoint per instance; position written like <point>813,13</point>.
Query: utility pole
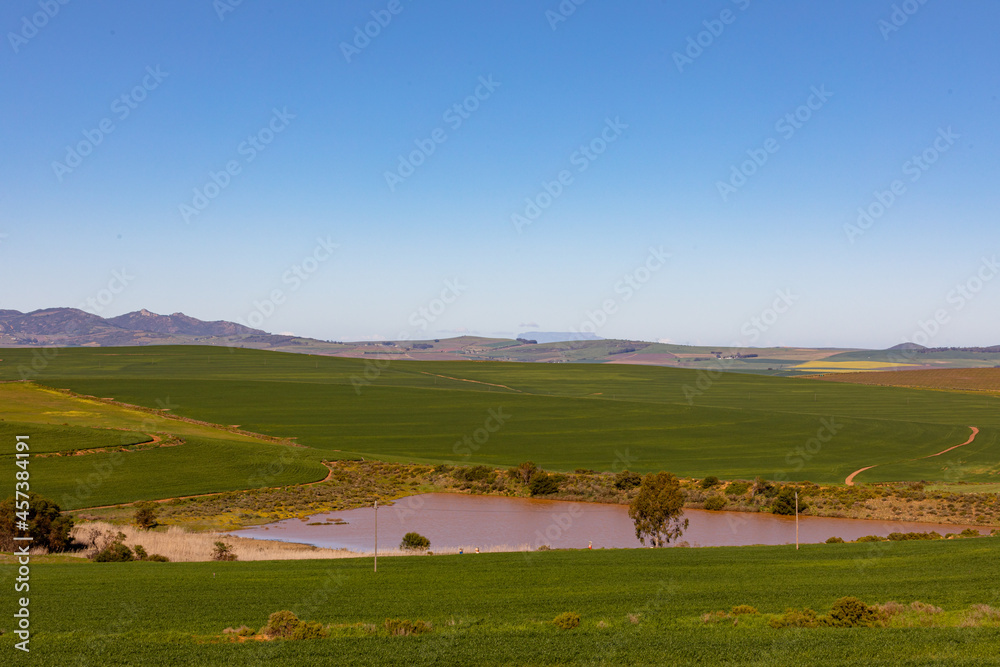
<point>376,531</point>
<point>796,520</point>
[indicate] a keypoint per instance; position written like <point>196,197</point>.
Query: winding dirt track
<point>975,431</point>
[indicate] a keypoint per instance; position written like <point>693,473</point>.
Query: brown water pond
<point>453,521</point>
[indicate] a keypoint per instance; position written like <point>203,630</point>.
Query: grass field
<point>502,606</point>
<point>201,459</point>
<point>562,416</point>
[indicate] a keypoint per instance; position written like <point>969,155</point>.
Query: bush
<point>46,524</point>
<point>850,612</point>
<point>400,627</point>
<point>116,552</point>
<point>280,624</point>
<point>626,480</point>
<point>835,540</point>
<point>715,503</point>
<point>286,625</point>
<point>709,482</point>
<point>309,630</point>
<point>744,609</point>
<point>796,618</point>
<point>224,552</point>
<point>414,542</point>
<point>737,488</point>
<point>902,537</point>
<point>526,471</point>
<point>145,516</point>
<point>543,484</point>
<point>970,532</point>
<point>762,487</point>
<point>567,620</point>
<point>784,502</point>
<point>140,554</point>
<point>474,474</point>
<point>872,538</point>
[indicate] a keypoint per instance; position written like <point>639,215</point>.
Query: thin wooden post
<point>796,520</point>
<point>376,536</point>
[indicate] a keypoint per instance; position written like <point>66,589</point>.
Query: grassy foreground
<point>491,609</point>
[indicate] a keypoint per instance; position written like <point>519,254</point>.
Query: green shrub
<point>414,542</point>
<point>145,516</point>
<point>737,488</point>
<point>796,618</point>
<point>400,627</point>
<point>567,620</point>
<point>784,502</point>
<point>626,480</point>
<point>474,474</point>
<point>872,538</point>
<point>709,482</point>
<point>835,540</point>
<point>762,487</point>
<point>715,503</point>
<point>140,552</point>
<point>525,471</point>
<point>743,609</point>
<point>850,612</point>
<point>224,552</point>
<point>116,552</point>
<point>157,558</point>
<point>970,532</point>
<point>280,624</point>
<point>542,484</point>
<point>46,524</point>
<point>901,537</point>
<point>309,630</point>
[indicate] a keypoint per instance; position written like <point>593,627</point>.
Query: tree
<point>145,516</point>
<point>526,471</point>
<point>223,551</point>
<point>543,484</point>
<point>626,480</point>
<point>657,509</point>
<point>414,542</point>
<point>784,502</point>
<point>46,524</point>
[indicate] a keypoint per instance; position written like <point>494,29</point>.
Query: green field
<point>192,459</point>
<point>502,605</point>
<point>562,416</point>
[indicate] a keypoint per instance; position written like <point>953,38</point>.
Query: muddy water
<point>453,520</point>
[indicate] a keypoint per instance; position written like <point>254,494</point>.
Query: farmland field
<point>563,416</point>
<point>960,379</point>
<point>497,608</point>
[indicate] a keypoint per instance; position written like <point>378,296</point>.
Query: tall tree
<point>658,509</point>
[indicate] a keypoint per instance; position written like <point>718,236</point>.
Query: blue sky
<point>649,170</point>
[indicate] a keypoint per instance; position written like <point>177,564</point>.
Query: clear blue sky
<point>661,132</point>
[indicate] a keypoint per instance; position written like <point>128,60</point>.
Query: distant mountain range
<point>74,327</point>
<point>70,327</point>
